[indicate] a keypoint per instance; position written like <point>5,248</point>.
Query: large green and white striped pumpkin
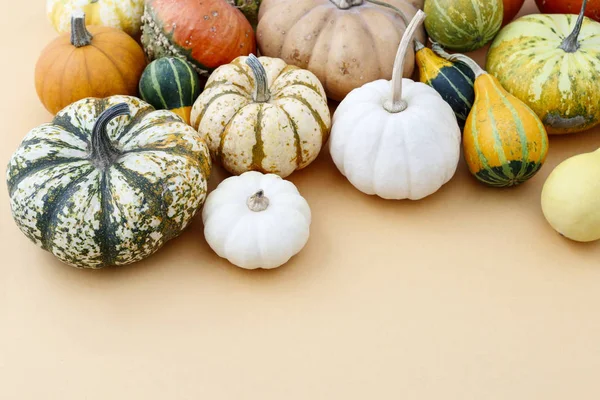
<point>463,25</point>
<point>170,83</point>
<point>108,181</point>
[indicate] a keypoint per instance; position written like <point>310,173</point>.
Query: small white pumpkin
<point>403,147</point>
<point>256,220</point>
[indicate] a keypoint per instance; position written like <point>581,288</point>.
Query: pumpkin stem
<point>346,4</point>
<point>261,90</point>
<point>571,43</point>
<point>80,36</point>
<point>258,202</point>
<point>103,153</point>
<point>477,70</point>
<point>397,104</point>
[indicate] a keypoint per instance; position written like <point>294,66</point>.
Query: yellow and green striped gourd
<point>452,80</point>
<point>504,141</point>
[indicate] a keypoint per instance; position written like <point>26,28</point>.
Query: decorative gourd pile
<point>124,165</point>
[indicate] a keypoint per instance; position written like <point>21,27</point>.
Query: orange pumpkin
<point>207,33</point>
<point>99,62</point>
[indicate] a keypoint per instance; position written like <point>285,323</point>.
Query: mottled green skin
<point>169,83</point>
<point>463,25</point>
<point>91,216</point>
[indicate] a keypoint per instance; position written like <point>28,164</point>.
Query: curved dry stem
<point>397,104</point>
<point>571,43</point>
<point>80,36</point>
<point>477,70</point>
<point>261,91</point>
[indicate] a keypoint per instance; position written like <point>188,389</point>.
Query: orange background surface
<point>468,294</point>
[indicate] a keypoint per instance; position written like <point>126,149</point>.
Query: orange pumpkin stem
<point>397,104</point>
<point>571,43</point>
<point>80,36</point>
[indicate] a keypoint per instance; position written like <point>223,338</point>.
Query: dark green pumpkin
<point>170,83</point>
<point>452,80</point>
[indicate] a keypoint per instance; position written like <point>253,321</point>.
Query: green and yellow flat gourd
<point>452,80</point>
<point>552,63</point>
<point>504,141</point>
<point>108,181</point>
<point>170,83</point>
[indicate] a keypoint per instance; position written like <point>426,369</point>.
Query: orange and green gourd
<point>504,141</point>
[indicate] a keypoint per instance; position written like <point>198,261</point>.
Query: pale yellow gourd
<point>571,197</point>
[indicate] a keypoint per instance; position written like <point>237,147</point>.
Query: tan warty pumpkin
<point>98,62</point>
<point>260,114</point>
<point>345,43</point>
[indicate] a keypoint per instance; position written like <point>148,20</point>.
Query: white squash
<point>403,146</point>
<point>256,220</point>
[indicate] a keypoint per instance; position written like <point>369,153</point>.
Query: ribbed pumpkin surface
<point>110,65</point>
<point>562,88</point>
<point>504,142</point>
<point>207,33</point>
<point>277,136</point>
<point>344,48</point>
<point>90,215</point>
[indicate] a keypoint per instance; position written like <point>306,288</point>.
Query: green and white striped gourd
<point>463,25</point>
<point>108,181</point>
<point>170,83</point>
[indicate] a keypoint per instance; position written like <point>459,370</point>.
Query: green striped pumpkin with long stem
<point>170,83</point>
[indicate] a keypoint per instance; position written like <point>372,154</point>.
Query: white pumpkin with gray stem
<point>256,220</point>
<point>398,139</point>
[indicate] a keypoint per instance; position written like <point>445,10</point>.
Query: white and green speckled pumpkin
<point>108,181</point>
